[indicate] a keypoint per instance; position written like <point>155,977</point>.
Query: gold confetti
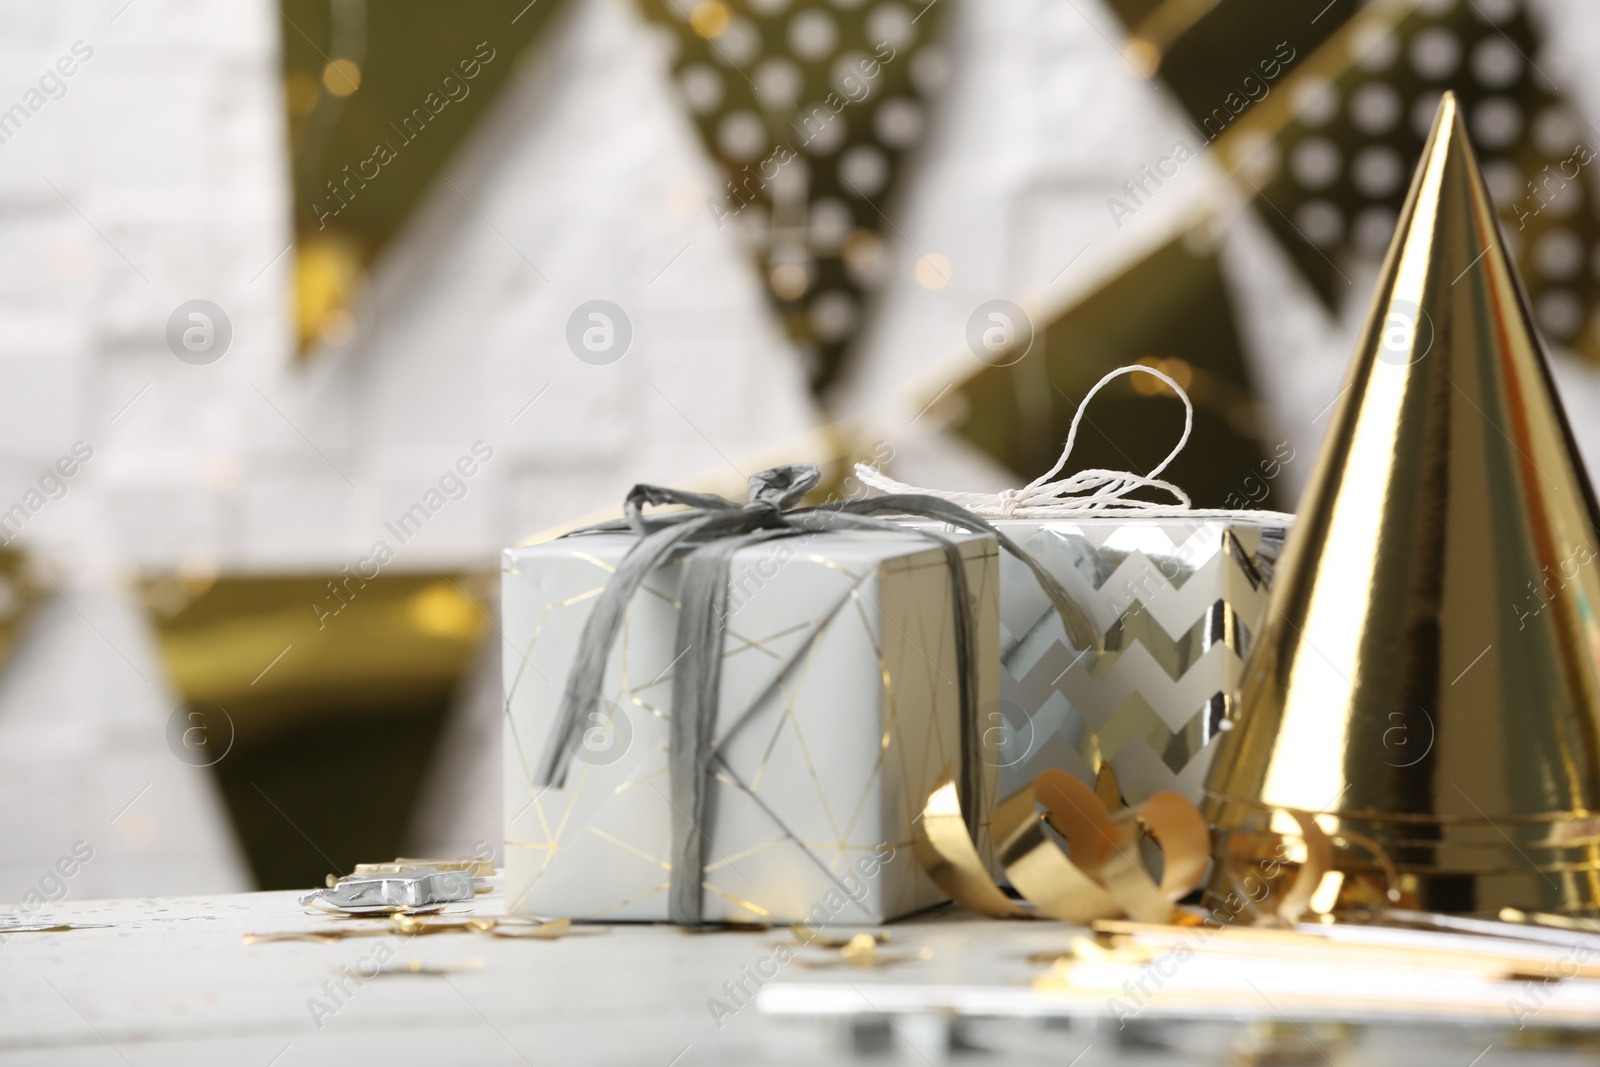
<point>50,928</point>
<point>549,931</point>
<point>807,936</point>
<point>858,950</point>
<point>418,967</point>
<point>413,925</point>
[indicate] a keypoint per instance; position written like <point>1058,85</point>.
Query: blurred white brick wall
<point>159,177</point>
<point>85,757</point>
<point>155,176</point>
<point>586,182</point>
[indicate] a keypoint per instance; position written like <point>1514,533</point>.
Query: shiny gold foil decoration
<point>1427,685</point>
<point>1100,873</point>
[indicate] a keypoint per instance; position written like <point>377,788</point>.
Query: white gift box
<point>1177,600</point>
<point>811,810</point>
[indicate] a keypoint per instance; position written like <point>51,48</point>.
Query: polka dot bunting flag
<point>809,109</point>
<point>1342,166</point>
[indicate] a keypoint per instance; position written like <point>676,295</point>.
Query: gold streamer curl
<point>1099,875</point>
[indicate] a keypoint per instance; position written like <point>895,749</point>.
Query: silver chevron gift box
<point>1173,595</point>
<point>1177,600</point>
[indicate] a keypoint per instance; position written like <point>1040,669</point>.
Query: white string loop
<point>1085,492</point>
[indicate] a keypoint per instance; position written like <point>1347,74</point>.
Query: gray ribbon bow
<point>709,534</point>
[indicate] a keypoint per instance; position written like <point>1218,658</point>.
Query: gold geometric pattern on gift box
<point>1151,704</point>
<point>788,655</point>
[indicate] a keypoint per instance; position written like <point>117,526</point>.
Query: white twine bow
<point>1088,491</point>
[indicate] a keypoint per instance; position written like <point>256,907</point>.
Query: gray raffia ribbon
<point>710,533</point>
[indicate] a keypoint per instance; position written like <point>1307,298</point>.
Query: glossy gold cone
<point>1429,675</point>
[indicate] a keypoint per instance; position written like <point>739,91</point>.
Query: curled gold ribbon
<point>945,850</point>
<point>1099,875</point>
<point>1330,874</point>
<point>1244,856</point>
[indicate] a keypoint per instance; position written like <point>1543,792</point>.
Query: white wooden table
<point>173,981</point>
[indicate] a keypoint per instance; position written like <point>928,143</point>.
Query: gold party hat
<point>1428,680</point>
